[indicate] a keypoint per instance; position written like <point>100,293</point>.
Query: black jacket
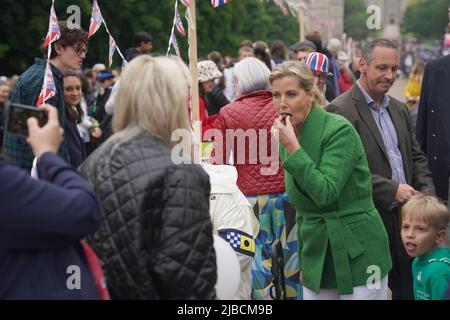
<point>433,118</point>
<point>156,239</point>
<point>216,100</point>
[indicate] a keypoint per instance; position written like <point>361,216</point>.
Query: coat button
<point>435,158</point>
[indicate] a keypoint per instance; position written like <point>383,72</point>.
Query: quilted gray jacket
<point>155,240</point>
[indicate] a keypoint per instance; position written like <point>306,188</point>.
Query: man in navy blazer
<point>433,122</point>
<point>42,223</point>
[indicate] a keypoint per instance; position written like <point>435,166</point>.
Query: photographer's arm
<point>42,215</point>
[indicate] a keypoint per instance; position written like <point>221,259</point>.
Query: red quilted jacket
<point>251,111</point>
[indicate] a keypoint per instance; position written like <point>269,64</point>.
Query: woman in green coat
<point>343,245</point>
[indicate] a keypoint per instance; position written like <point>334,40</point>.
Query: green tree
<point>355,17</point>
<point>426,19</point>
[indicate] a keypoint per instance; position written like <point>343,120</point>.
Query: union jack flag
<point>112,49</point>
<point>174,43</point>
<point>96,19</point>
<point>218,3</point>
<point>317,61</point>
<point>48,87</point>
<point>53,32</point>
<point>185,3</point>
<point>179,23</point>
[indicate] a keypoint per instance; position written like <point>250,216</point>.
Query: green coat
<point>339,230</point>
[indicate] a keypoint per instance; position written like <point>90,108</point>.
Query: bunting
<point>96,19</point>
<point>48,87</point>
<point>185,3</point>
<point>112,49</point>
<point>179,23</point>
<point>53,32</point>
<point>96,22</point>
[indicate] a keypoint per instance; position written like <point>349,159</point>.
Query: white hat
<point>207,70</point>
<point>342,56</point>
<point>99,67</point>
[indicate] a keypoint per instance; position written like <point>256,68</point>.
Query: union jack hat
<point>319,62</point>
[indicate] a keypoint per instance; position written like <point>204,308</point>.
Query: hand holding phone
<point>47,138</point>
<point>17,117</point>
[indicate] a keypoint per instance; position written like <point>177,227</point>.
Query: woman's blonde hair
<point>427,209</point>
<point>152,96</point>
<point>304,75</point>
<point>418,70</point>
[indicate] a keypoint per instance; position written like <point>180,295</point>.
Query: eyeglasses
<point>80,49</point>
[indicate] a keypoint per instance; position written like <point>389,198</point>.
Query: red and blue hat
<point>319,62</point>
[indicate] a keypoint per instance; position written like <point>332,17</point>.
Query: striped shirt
<point>388,133</point>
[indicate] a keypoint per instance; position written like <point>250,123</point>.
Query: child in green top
<point>424,224</point>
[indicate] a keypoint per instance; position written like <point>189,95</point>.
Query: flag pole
<point>194,86</point>
<point>301,21</point>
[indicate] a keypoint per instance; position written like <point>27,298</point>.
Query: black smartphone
<point>17,115</point>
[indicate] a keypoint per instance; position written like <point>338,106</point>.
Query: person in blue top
<point>42,222</point>
<point>424,224</point>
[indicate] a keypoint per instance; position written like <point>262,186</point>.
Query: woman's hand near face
<point>286,134</point>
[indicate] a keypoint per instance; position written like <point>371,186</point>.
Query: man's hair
<point>367,50</point>
<point>71,35</point>
<point>314,37</point>
<point>246,43</point>
<point>142,36</point>
<point>428,210</point>
<point>215,56</point>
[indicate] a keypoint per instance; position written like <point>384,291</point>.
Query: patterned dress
<point>277,221</point>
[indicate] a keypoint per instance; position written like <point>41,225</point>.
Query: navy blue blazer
<point>433,119</point>
<point>41,224</point>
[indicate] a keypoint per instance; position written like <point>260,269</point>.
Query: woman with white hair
<point>156,238</point>
<point>247,120</point>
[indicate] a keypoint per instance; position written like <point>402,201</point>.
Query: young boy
<point>424,224</point>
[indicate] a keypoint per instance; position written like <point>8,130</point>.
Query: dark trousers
<point>400,277</point>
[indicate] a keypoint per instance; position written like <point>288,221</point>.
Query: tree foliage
<point>24,24</point>
<point>426,19</point>
<point>355,17</point>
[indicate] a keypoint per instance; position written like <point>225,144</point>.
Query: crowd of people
<point>308,149</point>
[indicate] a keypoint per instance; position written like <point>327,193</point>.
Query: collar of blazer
<point>366,115</point>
